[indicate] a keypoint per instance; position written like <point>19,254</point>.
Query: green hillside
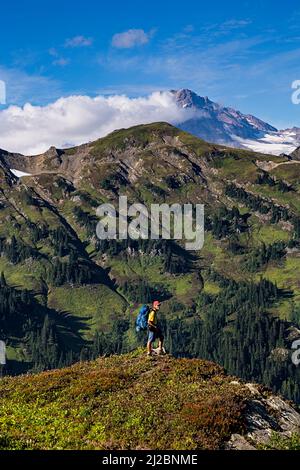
<point>133,402</point>
<point>66,295</point>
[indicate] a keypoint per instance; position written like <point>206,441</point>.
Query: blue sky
<point>244,54</point>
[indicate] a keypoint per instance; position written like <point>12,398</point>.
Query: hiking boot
<point>161,351</point>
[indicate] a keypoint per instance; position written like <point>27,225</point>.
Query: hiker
<point>154,332</point>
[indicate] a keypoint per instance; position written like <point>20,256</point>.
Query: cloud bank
<point>78,119</point>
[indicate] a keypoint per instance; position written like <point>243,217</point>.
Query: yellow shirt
<point>152,317</point>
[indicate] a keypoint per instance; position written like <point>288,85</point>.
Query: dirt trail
<point>269,166</point>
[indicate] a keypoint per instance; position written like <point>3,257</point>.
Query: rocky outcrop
<point>295,155</point>
<point>265,414</point>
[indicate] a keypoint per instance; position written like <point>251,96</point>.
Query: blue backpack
<point>142,318</point>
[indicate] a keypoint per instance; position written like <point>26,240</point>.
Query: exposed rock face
<point>265,415</point>
<point>12,159</point>
<point>239,442</point>
<point>6,176</point>
<point>296,154</point>
<point>52,161</point>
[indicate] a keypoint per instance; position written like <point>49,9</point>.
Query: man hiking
<point>154,332</point>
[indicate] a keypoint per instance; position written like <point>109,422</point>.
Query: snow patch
<point>18,173</point>
<point>273,144</point>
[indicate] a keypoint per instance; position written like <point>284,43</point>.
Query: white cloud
<point>130,38</point>
<point>78,41</point>
<point>78,119</point>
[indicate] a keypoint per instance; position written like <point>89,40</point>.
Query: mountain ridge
<point>58,160</point>
<point>84,293</point>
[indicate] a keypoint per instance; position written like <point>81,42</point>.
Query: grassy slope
<point>242,168</point>
<point>117,402</point>
<point>96,305</point>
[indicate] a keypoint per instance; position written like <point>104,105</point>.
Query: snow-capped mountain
<point>223,125</point>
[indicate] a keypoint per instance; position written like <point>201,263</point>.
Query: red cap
<point>156,303</point>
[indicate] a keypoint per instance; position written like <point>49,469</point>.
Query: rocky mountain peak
<point>216,123</point>
<point>225,125</point>
<point>187,99</point>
